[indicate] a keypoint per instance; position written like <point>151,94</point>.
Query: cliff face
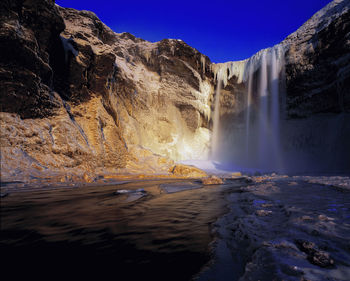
<point>29,29</point>
<point>78,99</point>
<point>317,112</point>
<point>317,63</point>
<point>315,98</point>
<point>317,68</point>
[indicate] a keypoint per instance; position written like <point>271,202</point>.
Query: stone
<point>186,171</point>
<point>26,74</point>
<point>76,92</point>
<point>212,180</point>
<point>263,213</point>
<point>314,255</point>
<point>317,63</point>
<point>3,194</point>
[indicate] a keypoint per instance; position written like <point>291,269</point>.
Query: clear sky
<point>223,30</point>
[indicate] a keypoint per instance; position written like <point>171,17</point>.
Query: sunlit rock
<point>187,171</point>
<point>212,180</point>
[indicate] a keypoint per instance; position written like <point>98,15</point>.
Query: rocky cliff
<point>79,101</point>
<point>315,125</point>
<point>317,63</point>
<point>317,67</point>
<point>317,106</point>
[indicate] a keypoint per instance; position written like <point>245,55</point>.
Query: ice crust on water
<point>126,191</point>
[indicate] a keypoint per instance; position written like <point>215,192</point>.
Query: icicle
<point>203,64</point>
<point>147,55</point>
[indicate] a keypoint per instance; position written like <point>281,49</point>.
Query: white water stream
<point>254,143</point>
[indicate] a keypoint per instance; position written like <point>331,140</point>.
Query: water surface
<point>150,230</point>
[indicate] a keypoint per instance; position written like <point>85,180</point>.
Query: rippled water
<point>274,228</point>
<point>153,233</point>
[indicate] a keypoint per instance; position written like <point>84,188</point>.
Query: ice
<point>132,195</point>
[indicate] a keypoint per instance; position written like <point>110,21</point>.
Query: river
<point>272,227</point>
<point>156,233</point>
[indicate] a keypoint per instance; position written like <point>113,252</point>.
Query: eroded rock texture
<point>317,63</point>
<point>78,98</point>
<point>317,109</point>
<point>27,35</point>
<point>315,98</point>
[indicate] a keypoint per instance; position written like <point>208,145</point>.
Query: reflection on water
<point>153,234</point>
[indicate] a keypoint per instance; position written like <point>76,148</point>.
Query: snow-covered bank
<point>284,228</point>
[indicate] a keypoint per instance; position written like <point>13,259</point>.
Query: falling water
<point>253,142</point>
<point>216,119</point>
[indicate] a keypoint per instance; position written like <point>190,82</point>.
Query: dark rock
<point>212,180</point>
<point>191,116</point>
<point>3,194</point>
<point>26,75</point>
<point>317,63</point>
<point>314,255</point>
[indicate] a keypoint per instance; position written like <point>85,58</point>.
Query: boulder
<point>186,171</point>
<point>212,180</point>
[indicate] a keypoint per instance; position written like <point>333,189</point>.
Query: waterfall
<point>252,138</point>
<point>216,119</point>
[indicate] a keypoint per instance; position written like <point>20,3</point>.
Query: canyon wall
<point>314,95</point>
<point>79,100</point>
<point>316,127</point>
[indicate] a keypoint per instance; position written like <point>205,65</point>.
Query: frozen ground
<point>284,228</point>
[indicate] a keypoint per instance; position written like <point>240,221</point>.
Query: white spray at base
<point>252,139</point>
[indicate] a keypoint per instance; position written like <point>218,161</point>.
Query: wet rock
<point>212,180</point>
<point>314,255</point>
<point>267,205</point>
<point>3,194</point>
<point>236,174</point>
<point>181,170</point>
<point>306,218</point>
<point>293,183</point>
<point>132,195</point>
<point>322,259</point>
<point>324,218</point>
<point>88,178</point>
<point>126,191</point>
<point>263,213</point>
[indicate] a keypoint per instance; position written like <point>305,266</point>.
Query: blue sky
<point>223,30</point>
